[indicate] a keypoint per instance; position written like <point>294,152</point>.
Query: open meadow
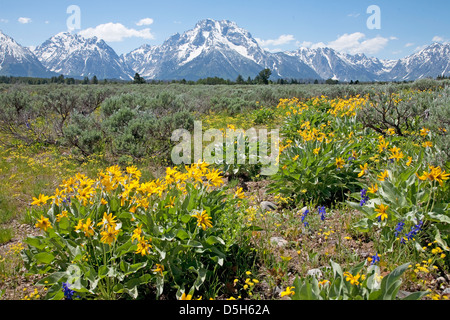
<point>92,206</point>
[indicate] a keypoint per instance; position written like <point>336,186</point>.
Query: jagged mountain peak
<point>18,60</point>
<point>217,48</point>
<point>431,61</point>
<point>219,45</point>
<point>72,54</point>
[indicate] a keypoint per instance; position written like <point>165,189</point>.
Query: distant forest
<point>261,78</point>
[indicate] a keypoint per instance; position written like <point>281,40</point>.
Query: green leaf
<point>44,257</point>
<point>125,248</point>
<point>51,279</point>
<point>416,295</point>
<point>37,242</point>
<point>253,228</point>
<point>336,289</point>
<point>182,234</point>
<point>132,285</point>
<point>391,283</point>
<point>297,286</point>
<point>55,292</point>
<point>436,217</point>
<point>363,225</point>
<point>306,291</point>
<point>159,286</point>
<point>185,218</point>
<point>128,268</point>
<point>213,240</point>
<point>375,295</point>
<point>200,279</point>
<point>114,204</point>
<point>355,270</point>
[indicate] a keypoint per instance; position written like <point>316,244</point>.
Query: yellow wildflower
<point>203,220</point>
<point>288,292</point>
<point>43,224</point>
<point>41,200</point>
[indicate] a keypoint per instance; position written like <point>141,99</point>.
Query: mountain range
<point>211,49</point>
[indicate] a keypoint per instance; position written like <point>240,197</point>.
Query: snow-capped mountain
<point>75,56</point>
<point>223,49</point>
<point>18,60</point>
<point>212,48</point>
<point>330,64</point>
<point>432,61</point>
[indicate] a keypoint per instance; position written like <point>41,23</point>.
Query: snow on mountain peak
<point>219,48</point>
<point>72,54</point>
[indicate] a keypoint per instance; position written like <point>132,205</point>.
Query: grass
<point>260,268</point>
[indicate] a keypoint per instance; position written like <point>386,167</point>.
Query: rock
<point>268,206</point>
<point>278,290</point>
<point>440,280</point>
<point>315,273</point>
<point>446,291</point>
<point>278,241</point>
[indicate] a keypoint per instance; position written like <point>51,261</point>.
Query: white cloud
<point>145,22</point>
<point>283,39</point>
<point>352,43</point>
<point>393,38</point>
<point>409,44</point>
<point>438,39</point>
<point>309,44</point>
<point>354,15</point>
<point>115,32</point>
<point>357,43</point>
<point>24,20</point>
<point>4,20</point>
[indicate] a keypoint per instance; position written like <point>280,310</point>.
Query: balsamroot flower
<point>288,292</point>
<point>340,163</point>
<point>382,214</point>
<point>41,200</point>
<point>43,224</point>
<point>203,220</point>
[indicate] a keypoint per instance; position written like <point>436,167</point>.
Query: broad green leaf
<point>182,234</point>
<point>125,248</point>
<point>44,257</point>
<point>51,279</point>
<point>37,242</point>
<point>416,295</point>
<point>211,240</point>
<point>200,279</point>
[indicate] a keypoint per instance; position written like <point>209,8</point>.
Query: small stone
<point>440,280</point>
<point>277,291</point>
<point>365,254</point>
<point>268,206</point>
<point>446,291</point>
<point>280,242</point>
<point>315,273</point>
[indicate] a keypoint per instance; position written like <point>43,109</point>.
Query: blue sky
<point>405,26</point>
